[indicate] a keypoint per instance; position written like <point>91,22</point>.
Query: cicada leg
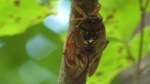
<point>97,9</point>
<point>75,19</point>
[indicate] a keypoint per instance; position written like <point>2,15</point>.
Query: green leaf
<point>135,43</point>
<point>112,62</point>
<point>17,15</point>
<point>120,19</point>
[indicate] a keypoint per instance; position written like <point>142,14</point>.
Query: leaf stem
<point>130,55</point>
<point>138,71</point>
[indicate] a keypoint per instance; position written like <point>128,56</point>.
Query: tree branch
<point>88,6</point>
<point>141,40</point>
<point>145,67</point>
<point>138,71</point>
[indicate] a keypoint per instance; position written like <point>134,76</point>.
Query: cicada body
<point>85,43</point>
<point>75,55</point>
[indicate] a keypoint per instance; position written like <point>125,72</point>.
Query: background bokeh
<point>33,32</point>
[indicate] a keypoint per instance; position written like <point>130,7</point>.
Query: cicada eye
<point>94,17</point>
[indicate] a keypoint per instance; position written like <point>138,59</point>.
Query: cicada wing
<point>95,55</point>
<point>75,56</point>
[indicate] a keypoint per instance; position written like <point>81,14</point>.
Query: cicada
<point>85,43</point>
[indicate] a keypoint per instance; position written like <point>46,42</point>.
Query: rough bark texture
<point>88,6</point>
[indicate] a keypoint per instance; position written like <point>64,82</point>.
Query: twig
<point>147,1</point>
<point>142,26</point>
<point>145,67</point>
<point>138,71</point>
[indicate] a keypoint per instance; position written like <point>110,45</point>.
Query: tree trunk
<point>87,6</point>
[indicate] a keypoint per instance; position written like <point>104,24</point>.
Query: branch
<point>147,1</point>
<point>145,67</point>
<point>142,33</point>
<point>88,6</point>
<point>138,71</point>
<point>141,40</point>
<point>142,26</point>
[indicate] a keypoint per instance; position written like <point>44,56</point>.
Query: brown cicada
<point>85,43</point>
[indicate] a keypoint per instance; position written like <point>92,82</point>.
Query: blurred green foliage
<point>121,17</point>
<point>30,53</point>
<point>24,60</point>
<point>14,56</point>
<point>18,15</point>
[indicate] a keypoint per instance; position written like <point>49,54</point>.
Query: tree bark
<point>87,6</point>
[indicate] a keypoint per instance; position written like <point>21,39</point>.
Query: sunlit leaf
<point>135,43</point>
<point>112,62</point>
<point>120,19</point>
<point>17,15</point>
